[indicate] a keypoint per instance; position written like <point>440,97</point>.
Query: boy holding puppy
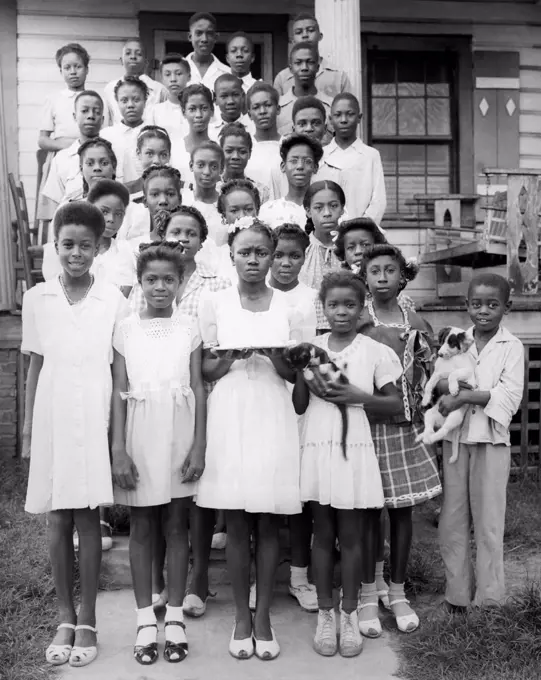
<point>476,484</point>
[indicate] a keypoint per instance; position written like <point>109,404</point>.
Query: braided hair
<point>163,219</point>
<point>238,185</point>
<point>170,251</point>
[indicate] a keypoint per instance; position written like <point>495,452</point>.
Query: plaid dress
<point>409,471</point>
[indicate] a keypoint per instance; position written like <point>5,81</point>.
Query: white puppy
<point>456,364</point>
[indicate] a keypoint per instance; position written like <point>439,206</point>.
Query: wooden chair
<point>27,252</point>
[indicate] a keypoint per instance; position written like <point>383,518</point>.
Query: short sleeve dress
<point>327,477</point>
<point>252,460</point>
<point>69,460</point>
<point>161,405</point>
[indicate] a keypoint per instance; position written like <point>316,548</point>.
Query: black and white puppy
<point>456,364</point>
<point>307,357</point>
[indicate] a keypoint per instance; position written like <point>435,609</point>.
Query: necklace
<point>75,302</point>
<point>405,325</point>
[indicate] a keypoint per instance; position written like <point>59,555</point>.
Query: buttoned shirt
<point>499,369</point>
<point>57,116</point>
<point>284,122</point>
<point>214,71</point>
<point>156,93</point>
<point>247,81</point>
<point>124,141</point>
<point>64,167</point>
<point>329,80</point>
<point>169,116</point>
<point>217,124</point>
<point>358,169</point>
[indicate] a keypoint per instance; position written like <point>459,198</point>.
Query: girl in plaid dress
<point>408,469</point>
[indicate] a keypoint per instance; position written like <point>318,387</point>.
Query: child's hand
<point>338,393</point>
<point>193,466</point>
<point>25,445</point>
<point>448,403</point>
<point>316,383</point>
<point>124,471</point>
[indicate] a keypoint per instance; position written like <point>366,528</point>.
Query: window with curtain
<point>412,123</point>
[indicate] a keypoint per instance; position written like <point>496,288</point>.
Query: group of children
<point>190,253</point>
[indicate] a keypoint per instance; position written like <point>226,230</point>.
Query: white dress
<point>252,460</point>
<point>69,463</point>
<point>161,405</point>
<point>326,476</point>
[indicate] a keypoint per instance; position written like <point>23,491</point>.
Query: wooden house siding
<point>44,26</point>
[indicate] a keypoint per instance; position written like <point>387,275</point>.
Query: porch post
<point>340,23</point>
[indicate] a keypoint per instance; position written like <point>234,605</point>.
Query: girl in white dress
<point>252,463</point>
<point>344,487</point>
<point>158,439</point>
<point>68,326</point>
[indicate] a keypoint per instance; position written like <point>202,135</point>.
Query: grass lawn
<point>27,604</point>
<point>489,644</point>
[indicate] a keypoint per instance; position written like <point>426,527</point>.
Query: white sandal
<point>82,656</point>
<point>267,650</point>
<point>370,628</point>
<point>241,649</point>
<point>408,623</point>
<point>57,655</point>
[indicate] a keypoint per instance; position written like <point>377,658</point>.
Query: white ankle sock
<point>175,634</point>
<point>146,617</point>
<point>299,576</point>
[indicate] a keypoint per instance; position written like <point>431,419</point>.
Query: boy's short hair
<point>209,145</point>
<point>296,140</point>
<point>347,96</point>
<point>72,48</point>
<point>304,46</point>
<point>88,93</point>
<point>108,187</point>
<point>203,15</point>
<point>292,232</point>
<point>236,130</point>
<point>132,80</point>
<point>227,78</point>
<point>195,89</point>
<point>240,34</point>
<point>135,39</point>
<point>262,87</point>
<point>305,16</point>
<point>309,102</point>
<point>175,58</point>
<point>79,212</point>
<point>492,280</point>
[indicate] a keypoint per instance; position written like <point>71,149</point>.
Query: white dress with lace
<point>252,460</point>
<point>327,477</point>
<point>161,405</point>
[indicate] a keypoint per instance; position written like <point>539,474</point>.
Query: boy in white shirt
<point>301,156</point>
<point>58,128</point>
<point>303,61</point>
<point>134,62</point>
<point>262,105</point>
<point>229,99</point>
<point>476,484</point>
<point>131,94</point>
<point>347,156</point>
<point>240,56</point>
<point>204,66</point>
<point>329,80</point>
<point>175,73</point>
<point>88,115</point>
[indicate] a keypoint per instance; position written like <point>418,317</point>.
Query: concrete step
<point>116,572</point>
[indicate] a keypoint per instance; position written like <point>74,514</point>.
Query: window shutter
<point>496,111</point>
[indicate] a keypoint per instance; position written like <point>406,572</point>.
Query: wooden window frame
<point>462,109</point>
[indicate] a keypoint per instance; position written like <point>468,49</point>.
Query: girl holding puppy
<point>344,486</point>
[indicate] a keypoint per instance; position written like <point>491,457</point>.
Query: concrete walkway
<point>209,638</point>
